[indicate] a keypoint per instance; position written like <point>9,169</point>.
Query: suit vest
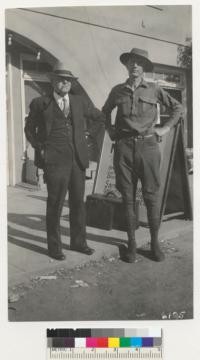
<point>59,144</point>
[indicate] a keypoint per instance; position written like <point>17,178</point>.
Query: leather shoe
<point>126,255</point>
<point>82,249</point>
<point>60,256</point>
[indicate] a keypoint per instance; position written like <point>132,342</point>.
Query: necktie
<point>65,107</point>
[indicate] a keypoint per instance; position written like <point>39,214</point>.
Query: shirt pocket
<point>124,104</point>
<point>146,104</point>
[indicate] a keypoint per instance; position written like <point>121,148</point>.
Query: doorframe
<point>11,178</point>
<point>29,76</point>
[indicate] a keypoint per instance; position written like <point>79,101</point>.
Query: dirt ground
<point>112,290</point>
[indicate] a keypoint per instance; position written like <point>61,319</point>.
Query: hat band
<point>63,73</point>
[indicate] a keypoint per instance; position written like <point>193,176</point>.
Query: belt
<point>142,137</point>
<point>130,135</point>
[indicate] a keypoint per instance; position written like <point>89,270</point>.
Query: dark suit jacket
<point>39,121</point>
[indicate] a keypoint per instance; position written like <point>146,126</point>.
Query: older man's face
<point>135,67</point>
<point>61,85</point>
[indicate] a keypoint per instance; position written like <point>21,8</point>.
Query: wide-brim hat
<point>141,55</point>
<point>60,70</point>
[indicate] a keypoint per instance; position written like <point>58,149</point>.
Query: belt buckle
<point>140,137</point>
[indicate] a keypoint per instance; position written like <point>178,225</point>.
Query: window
<point>168,78</point>
<point>35,81</point>
<point>36,66</point>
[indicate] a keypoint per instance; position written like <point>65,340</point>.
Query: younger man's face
<point>135,68</point>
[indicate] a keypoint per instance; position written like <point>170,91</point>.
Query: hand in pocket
<point>42,154</point>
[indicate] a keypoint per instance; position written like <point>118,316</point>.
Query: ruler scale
<point>97,344</point>
<point>138,353</point>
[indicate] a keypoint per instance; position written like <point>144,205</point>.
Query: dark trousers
<point>138,159</point>
<point>59,179</point>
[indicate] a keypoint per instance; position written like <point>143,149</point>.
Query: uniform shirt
<point>137,108</point>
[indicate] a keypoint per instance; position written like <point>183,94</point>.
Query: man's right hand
<point>42,153</point>
<point>112,133</point>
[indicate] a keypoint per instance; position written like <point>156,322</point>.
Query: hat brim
<point>146,63</point>
<point>62,75</point>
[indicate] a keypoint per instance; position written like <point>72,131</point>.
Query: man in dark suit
<point>56,127</point>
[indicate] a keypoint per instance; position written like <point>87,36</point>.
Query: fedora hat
<point>139,54</point>
<point>60,70</point>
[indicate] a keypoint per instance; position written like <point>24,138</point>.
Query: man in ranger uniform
<point>136,151</point>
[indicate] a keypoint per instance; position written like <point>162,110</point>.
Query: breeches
<point>138,159</point>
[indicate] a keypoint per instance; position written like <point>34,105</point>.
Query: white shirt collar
<point>59,99</point>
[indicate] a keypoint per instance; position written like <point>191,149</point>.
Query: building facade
<point>90,40</point>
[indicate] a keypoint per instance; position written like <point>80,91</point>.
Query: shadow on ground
<point>31,223</point>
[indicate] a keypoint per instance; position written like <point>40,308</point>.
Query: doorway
<point>34,83</point>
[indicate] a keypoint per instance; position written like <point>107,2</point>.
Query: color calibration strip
<point>105,342</point>
<point>73,343</point>
<point>104,338</point>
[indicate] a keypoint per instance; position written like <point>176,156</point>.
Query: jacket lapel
<point>50,111</point>
<point>75,109</point>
